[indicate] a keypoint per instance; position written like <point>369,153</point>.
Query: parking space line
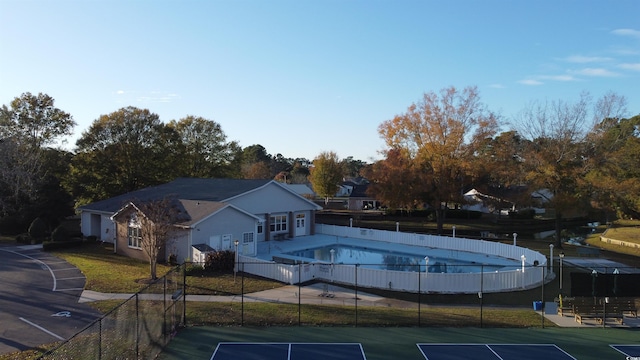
<point>43,329</point>
<point>69,289</point>
<point>42,264</point>
<point>71,278</point>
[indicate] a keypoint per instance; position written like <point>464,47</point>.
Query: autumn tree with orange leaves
<point>440,135</point>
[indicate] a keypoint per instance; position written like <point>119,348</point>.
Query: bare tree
<point>556,159</point>
<point>157,222</point>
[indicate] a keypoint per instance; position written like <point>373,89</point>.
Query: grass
<point>109,272</point>
<point>271,314</point>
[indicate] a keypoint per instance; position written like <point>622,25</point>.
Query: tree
<point>35,120</point>
<point>256,163</point>
<point>156,220</point>
<point>202,147</point>
<point>27,164</point>
<point>326,174</point>
<point>120,152</point>
<point>352,166</point>
<point>441,134</point>
<point>613,175</point>
<point>555,159</point>
<point>394,180</point>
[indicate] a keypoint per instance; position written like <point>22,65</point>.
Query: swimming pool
<point>382,259</point>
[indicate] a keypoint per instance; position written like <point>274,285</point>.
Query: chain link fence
<point>138,328</point>
<point>141,326</point>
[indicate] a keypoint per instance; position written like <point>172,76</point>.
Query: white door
<point>215,242</point>
<point>226,242</point>
<point>300,225</point>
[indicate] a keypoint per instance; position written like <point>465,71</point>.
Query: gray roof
<point>215,190</point>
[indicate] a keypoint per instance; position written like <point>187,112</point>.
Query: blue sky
<point>302,77</point>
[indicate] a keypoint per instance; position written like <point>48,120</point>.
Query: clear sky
<point>301,77</point>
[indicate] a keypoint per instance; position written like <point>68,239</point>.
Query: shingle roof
<point>183,189</point>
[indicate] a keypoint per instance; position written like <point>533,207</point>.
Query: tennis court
<point>493,351</point>
<point>216,343</point>
<point>288,351</point>
<point>630,351</point>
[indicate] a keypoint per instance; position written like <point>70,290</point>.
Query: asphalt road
<point>39,299</point>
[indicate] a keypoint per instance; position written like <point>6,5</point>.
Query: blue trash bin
<point>537,305</point>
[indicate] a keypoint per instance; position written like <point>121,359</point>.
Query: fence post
<point>184,291</point>
<point>299,294</point>
<point>242,297</point>
<point>100,338</point>
<point>356,298</point>
<point>542,268</point>
<point>481,290</point>
<point>419,293</point>
<point>137,328</point>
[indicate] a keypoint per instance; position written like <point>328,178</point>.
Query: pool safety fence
<point>440,279</point>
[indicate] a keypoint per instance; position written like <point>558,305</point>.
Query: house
<point>216,212</point>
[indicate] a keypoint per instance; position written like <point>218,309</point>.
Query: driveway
<point>39,299</point>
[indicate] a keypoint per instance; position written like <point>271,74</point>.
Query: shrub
<point>220,261</point>
<point>38,230</point>
<point>193,269</point>
<point>50,245</point>
<point>59,234</point>
<point>23,239</point>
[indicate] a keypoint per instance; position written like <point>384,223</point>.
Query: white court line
<point>43,329</point>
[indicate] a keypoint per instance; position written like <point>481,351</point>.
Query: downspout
<point>115,241</point>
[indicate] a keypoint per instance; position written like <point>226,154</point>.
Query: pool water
<point>390,260</point>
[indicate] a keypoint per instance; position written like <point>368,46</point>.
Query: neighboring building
<point>217,212</point>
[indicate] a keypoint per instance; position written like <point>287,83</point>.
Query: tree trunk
<point>558,230</point>
<point>440,219</point>
<point>153,266</point>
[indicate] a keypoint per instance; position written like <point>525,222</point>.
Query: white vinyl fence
<point>528,276</point>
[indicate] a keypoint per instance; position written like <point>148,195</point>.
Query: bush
<point>222,261</point>
<point>23,239</point>
<point>38,230</point>
<point>50,245</point>
<point>523,214</point>
<point>463,214</point>
<point>193,269</point>
<point>59,234</point>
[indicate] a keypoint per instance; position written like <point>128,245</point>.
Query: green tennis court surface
<point>379,343</point>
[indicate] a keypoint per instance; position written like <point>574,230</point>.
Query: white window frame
<point>278,223</point>
<point>134,232</point>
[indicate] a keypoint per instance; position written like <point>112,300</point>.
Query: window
<point>134,233</point>
<point>260,227</point>
<point>247,238</point>
<point>278,223</point>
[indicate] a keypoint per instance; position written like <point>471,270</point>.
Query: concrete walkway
<point>312,294</point>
